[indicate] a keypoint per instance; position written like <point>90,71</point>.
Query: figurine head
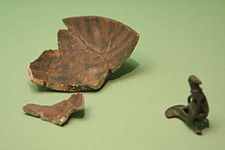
<point>194,80</point>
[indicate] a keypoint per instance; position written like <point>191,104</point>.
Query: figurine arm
<point>189,99</point>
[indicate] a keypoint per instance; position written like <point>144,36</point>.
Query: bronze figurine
<point>196,112</point>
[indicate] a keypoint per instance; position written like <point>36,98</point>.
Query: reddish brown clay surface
<point>90,49</point>
<point>58,113</point>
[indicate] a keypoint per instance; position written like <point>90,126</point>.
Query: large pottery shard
<point>58,113</point>
<point>90,49</point>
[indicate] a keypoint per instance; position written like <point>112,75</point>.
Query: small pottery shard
<point>90,49</point>
<point>58,113</point>
<point>196,112</point>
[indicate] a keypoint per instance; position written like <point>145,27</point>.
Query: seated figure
<point>196,112</point>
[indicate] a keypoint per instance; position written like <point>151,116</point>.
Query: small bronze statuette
<point>195,113</point>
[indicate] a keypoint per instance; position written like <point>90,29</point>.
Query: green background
<point>178,38</point>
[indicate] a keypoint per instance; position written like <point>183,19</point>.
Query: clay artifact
<point>195,113</point>
<point>58,113</point>
<point>88,51</point>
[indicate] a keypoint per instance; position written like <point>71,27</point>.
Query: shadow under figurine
<point>195,113</point>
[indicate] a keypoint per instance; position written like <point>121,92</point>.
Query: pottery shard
<point>90,49</point>
<point>58,113</point>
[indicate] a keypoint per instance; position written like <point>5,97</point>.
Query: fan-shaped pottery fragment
<point>90,49</point>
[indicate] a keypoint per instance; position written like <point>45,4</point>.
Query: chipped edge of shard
<point>64,87</point>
